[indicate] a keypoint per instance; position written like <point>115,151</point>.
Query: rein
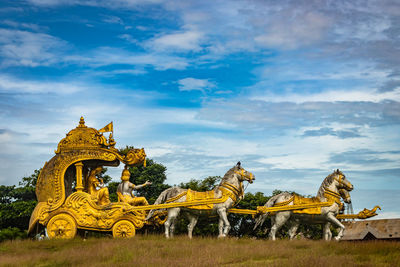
<point>341,181</point>
<point>172,199</point>
<point>232,191</point>
<point>241,173</point>
<point>227,189</point>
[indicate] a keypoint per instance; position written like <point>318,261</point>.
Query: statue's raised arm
<point>125,190</point>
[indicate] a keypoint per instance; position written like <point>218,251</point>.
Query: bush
<point>11,233</point>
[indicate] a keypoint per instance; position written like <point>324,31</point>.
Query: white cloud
<point>29,26</point>
<point>11,85</point>
<point>293,30</point>
<point>266,131</point>
<point>369,29</point>
<point>141,28</point>
<point>129,38</point>
<point>113,20</point>
<point>23,48</point>
<point>181,41</point>
<point>191,84</point>
<point>128,71</point>
<point>331,96</point>
<point>102,3</point>
<point>104,56</point>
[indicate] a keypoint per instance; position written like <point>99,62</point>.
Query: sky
<point>292,89</point>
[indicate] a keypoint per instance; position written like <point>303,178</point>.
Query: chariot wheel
<point>61,226</point>
<point>123,229</point>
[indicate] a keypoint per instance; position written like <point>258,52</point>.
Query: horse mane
<point>327,181</point>
<point>228,174</point>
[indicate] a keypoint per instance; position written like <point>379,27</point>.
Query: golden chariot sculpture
<point>68,198</point>
<point>71,197</point>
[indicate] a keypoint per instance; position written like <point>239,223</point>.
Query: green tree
<point>153,172</point>
<point>206,184</point>
<point>105,177</point>
<point>10,233</point>
<point>16,206</point>
<point>242,225</point>
<point>112,189</point>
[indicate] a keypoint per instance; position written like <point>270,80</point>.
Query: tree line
<point>18,202</point>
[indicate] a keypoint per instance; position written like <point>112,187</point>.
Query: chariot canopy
<point>82,150</point>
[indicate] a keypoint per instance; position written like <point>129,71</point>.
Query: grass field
<point>155,250</point>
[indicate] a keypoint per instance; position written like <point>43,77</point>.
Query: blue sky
<point>293,89</point>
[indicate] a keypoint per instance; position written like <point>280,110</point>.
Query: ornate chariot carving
<point>63,207</point>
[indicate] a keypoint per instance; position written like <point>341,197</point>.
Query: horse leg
<point>224,217</point>
<point>169,223</point>
<point>221,227</point>
<point>293,230</point>
<point>327,234</point>
<point>280,219</point>
<point>193,220</point>
<point>172,227</point>
<point>332,218</point>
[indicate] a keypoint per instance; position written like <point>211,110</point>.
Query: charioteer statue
<point>125,190</point>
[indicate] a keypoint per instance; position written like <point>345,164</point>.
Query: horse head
<point>342,182</point>
<point>345,195</point>
<point>242,174</point>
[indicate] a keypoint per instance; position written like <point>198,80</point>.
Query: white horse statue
<point>328,192</point>
<point>326,232</point>
<point>231,189</point>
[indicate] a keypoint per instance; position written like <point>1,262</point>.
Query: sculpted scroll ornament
<point>89,215</point>
<point>134,156</point>
<point>364,214</point>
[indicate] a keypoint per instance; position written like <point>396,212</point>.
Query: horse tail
<point>260,219</point>
<point>166,194</point>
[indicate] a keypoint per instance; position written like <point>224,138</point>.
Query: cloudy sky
<point>292,89</point>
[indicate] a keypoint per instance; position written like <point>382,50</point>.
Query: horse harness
<point>330,195</point>
<point>227,189</point>
<point>232,191</point>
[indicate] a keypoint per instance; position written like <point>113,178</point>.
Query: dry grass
<point>180,251</point>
